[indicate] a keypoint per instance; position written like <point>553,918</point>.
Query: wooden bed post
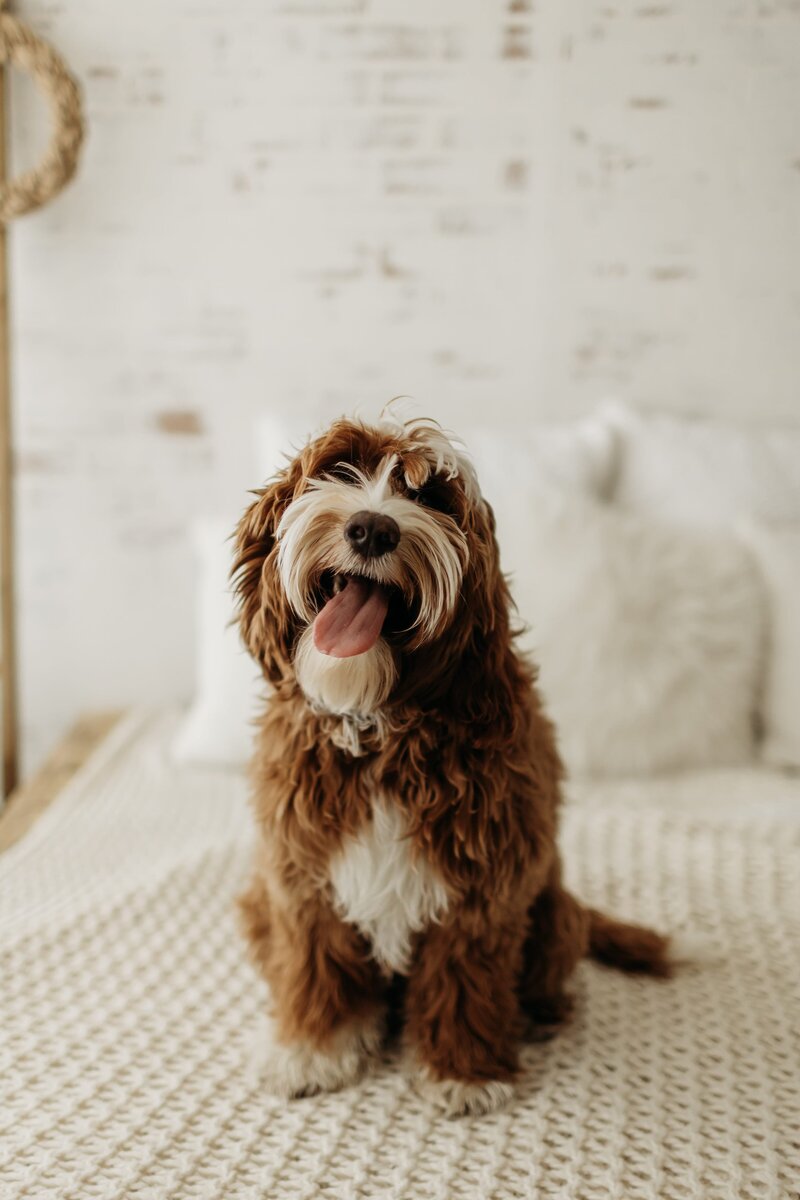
<point>8,645</point>
<point>18,45</point>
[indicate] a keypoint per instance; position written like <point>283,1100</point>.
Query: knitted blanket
<point>129,1014</point>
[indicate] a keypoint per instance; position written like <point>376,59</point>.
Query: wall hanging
<point>22,49</point>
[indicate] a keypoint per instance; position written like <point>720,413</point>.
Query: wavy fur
<point>427,844</point>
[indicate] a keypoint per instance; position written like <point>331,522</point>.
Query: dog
<point>406,779</point>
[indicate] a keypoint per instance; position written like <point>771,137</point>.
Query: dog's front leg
<point>462,1013</point>
<point>327,1001</point>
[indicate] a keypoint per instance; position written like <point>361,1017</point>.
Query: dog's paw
<point>455,1098</point>
<point>298,1068</point>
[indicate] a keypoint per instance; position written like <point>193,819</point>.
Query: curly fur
<point>412,828</point>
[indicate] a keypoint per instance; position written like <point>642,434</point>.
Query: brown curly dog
<point>406,779</point>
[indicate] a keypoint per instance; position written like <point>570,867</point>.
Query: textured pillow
<point>648,636</point>
<point>217,729</point>
<point>578,456</point>
<point>707,472</point>
<point>778,553</point>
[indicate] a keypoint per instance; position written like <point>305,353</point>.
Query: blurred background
<point>510,211</point>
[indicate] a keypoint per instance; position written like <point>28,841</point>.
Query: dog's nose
<point>372,534</point>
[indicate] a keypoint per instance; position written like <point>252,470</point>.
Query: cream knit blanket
<point>129,1014</point>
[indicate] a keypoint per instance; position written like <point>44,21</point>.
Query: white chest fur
<point>383,889</point>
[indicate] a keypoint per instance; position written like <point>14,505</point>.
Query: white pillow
<point>579,456</point>
<point>778,554</point>
<point>705,471</point>
<point>648,636</point>
<point>218,727</point>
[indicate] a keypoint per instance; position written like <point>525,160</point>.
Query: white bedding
<point>129,1013</point>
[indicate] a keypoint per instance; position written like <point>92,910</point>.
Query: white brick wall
<point>317,204</point>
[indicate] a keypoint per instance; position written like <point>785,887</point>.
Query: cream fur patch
<point>299,1069</point>
<point>357,685</point>
<point>383,889</point>
<point>455,1098</point>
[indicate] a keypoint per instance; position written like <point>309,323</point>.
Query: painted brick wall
<point>514,208</point>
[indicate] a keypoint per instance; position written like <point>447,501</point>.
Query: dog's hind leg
<point>561,932</point>
<point>254,921</point>
<point>557,939</point>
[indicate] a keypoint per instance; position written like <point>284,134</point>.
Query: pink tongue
<point>351,621</point>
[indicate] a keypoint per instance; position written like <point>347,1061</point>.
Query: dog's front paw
<point>455,1098</point>
<point>299,1068</point>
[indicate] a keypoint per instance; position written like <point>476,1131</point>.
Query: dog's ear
<point>471,663</point>
<point>485,598</point>
<point>489,677</point>
<point>265,618</point>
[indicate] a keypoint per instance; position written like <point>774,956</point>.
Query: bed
<point>130,1018</point>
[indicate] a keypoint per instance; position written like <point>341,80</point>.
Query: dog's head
<point>368,568</point>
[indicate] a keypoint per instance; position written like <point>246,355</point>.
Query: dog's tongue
<point>351,621</point>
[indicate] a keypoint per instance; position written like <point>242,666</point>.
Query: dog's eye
<point>436,494</point>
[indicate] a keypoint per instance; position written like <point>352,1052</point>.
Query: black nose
<point>371,534</point>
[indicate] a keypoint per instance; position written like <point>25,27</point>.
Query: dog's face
<point>365,566</point>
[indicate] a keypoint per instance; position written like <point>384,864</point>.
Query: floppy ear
<point>481,629</point>
<point>266,621</point>
<point>472,669</point>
